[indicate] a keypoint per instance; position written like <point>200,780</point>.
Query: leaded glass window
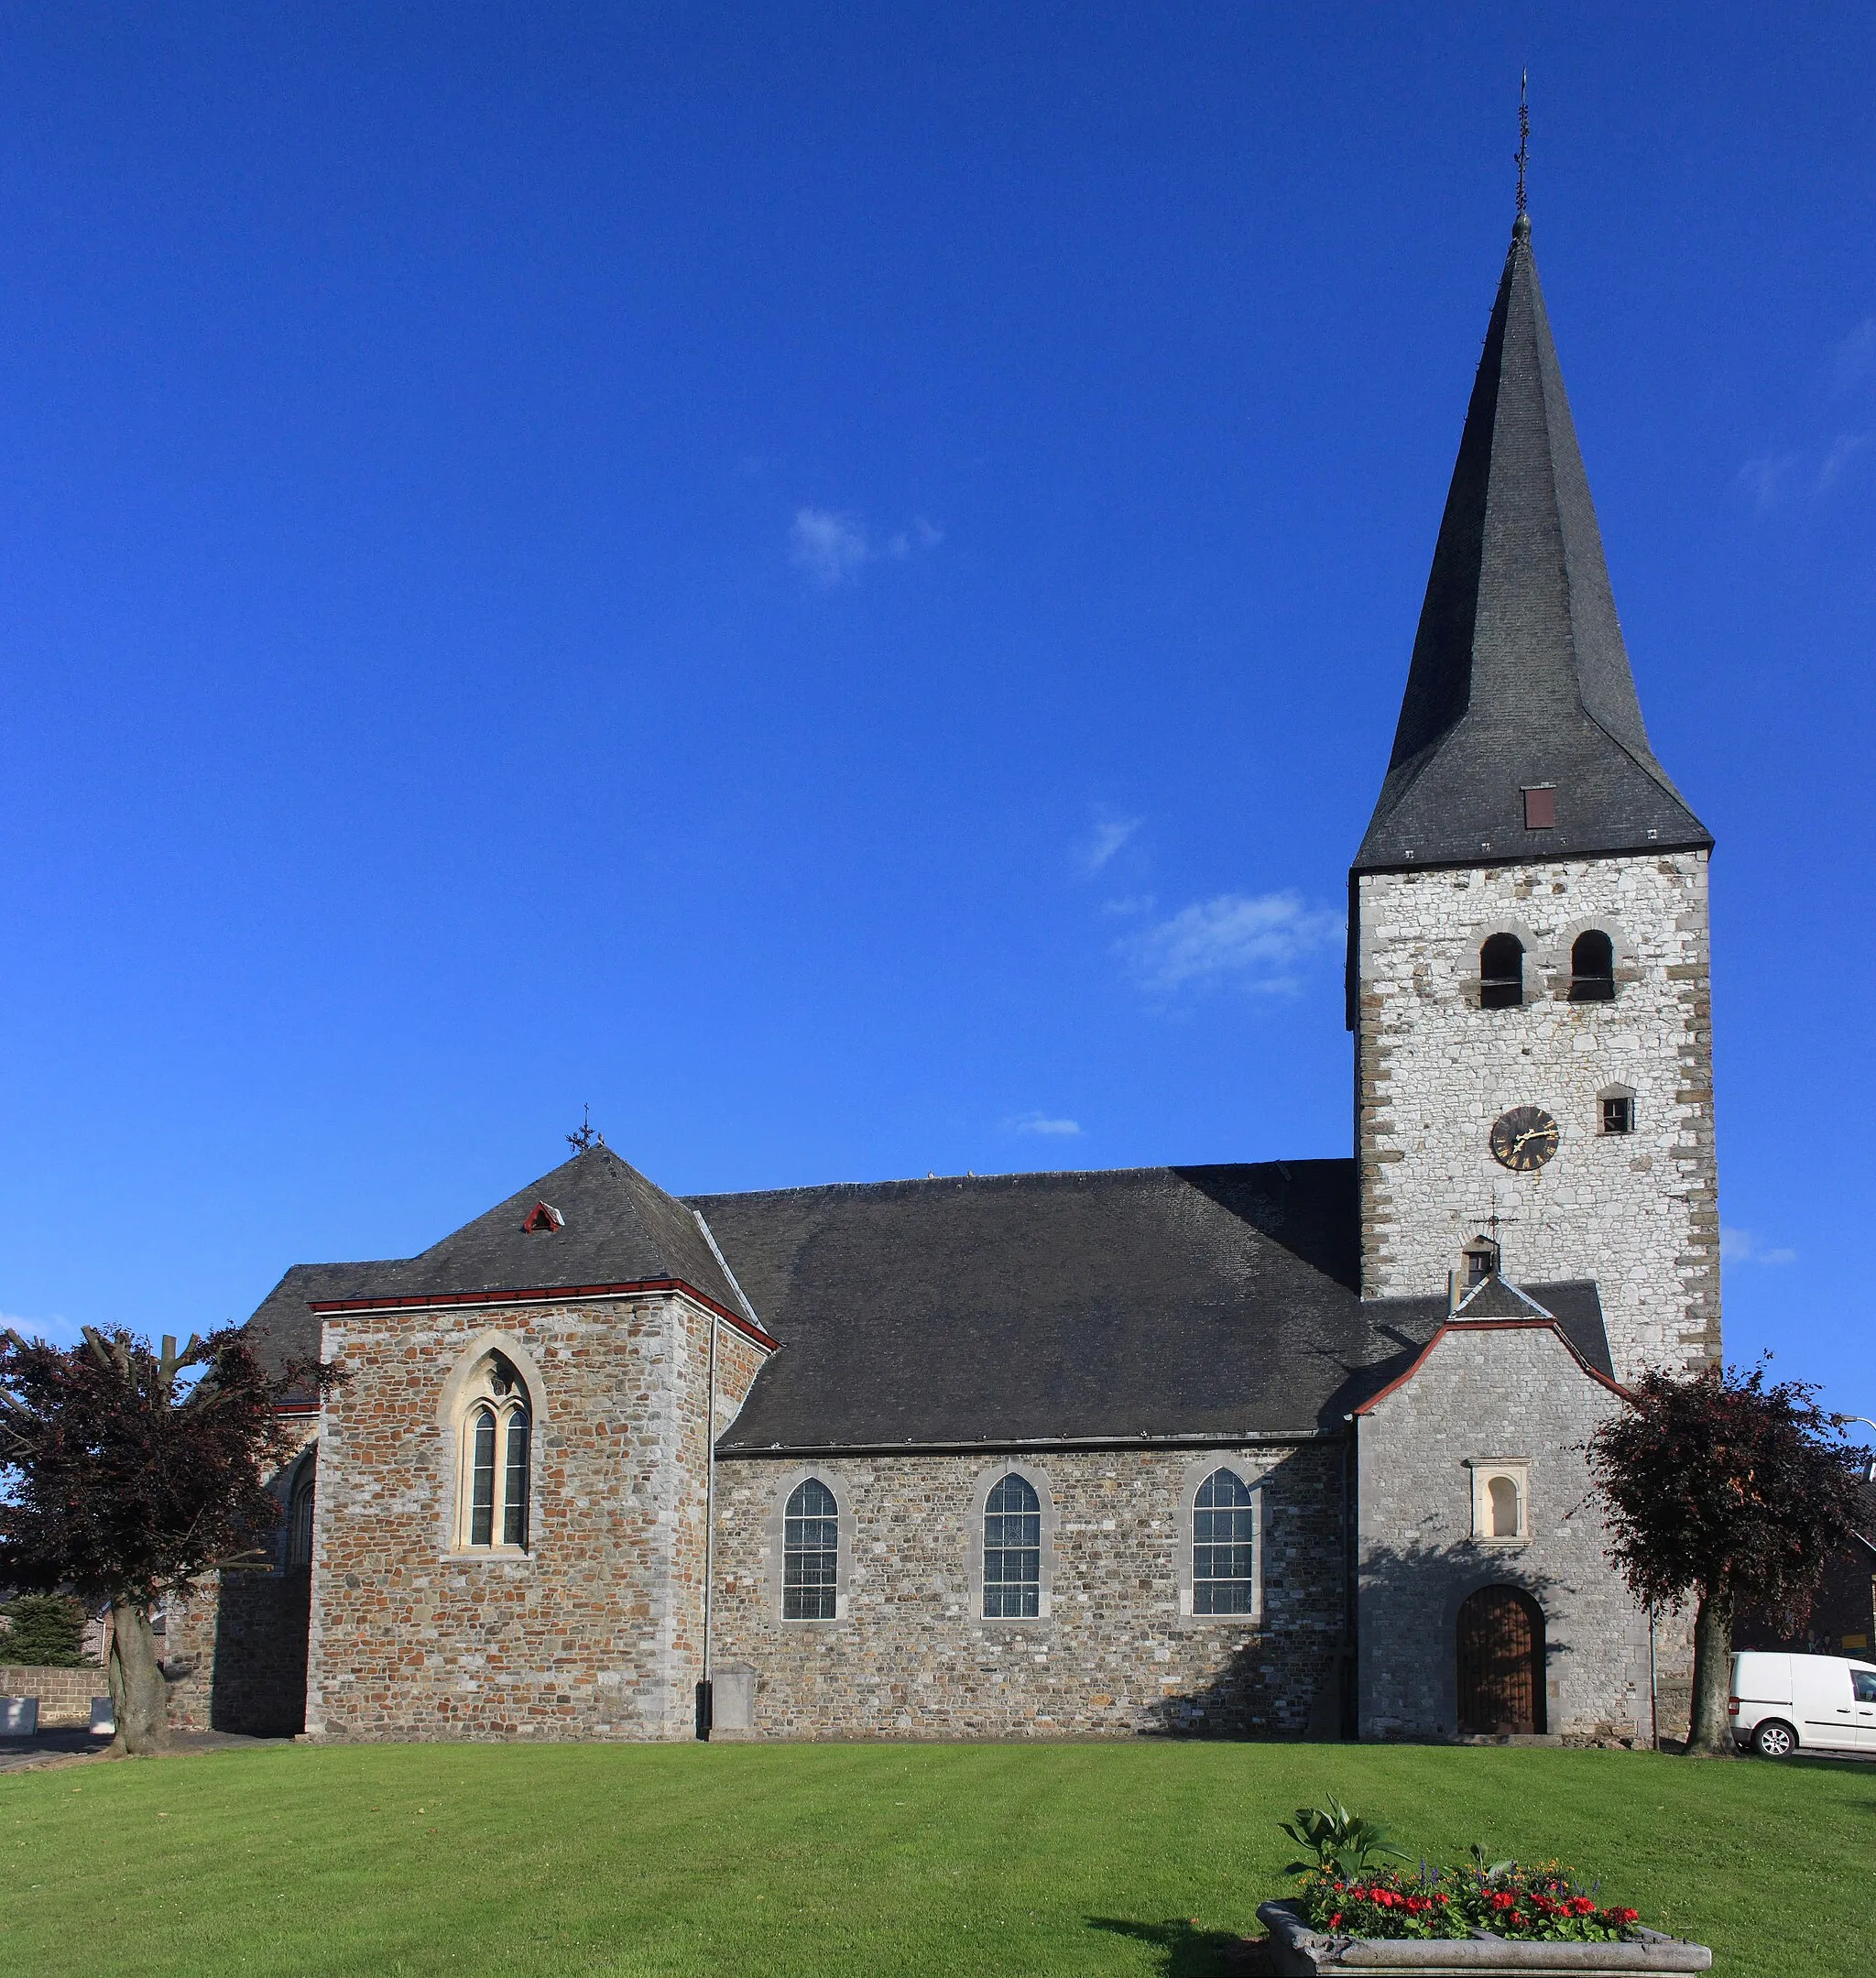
<point>515,1496</point>
<point>1223,1546</point>
<point>497,1448</point>
<point>810,1552</point>
<point>1012,1551</point>
<point>482,1480</point>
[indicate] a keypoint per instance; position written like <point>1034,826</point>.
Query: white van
<point>1780,1703</point>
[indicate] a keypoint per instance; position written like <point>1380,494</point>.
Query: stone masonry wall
<point>1491,1393</point>
<point>1637,1212</point>
<point>65,1694</point>
<point>234,1647</point>
<point>911,1654</point>
<point>595,1632</point>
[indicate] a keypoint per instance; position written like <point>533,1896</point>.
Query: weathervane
<point>586,1134</point>
<point>1523,133</point>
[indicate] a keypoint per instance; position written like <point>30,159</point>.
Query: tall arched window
<point>498,1468</point>
<point>299,1521</point>
<point>811,1554</point>
<point>1223,1546</point>
<point>1501,973</point>
<point>1505,1521</point>
<point>1593,968</point>
<point>1012,1550</point>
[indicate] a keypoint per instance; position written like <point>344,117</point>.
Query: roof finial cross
<point>1523,135</point>
<point>585,1134</point>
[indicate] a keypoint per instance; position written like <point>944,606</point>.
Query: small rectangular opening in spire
<point>1540,809</point>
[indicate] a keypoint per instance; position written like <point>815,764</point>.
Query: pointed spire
<point>1520,681</point>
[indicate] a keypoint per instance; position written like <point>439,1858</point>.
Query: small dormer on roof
<point>544,1219</point>
<point>1497,1298</point>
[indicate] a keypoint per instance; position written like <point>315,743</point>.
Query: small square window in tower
<point>1619,1114</point>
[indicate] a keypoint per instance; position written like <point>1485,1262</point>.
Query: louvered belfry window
<point>1012,1551</point>
<point>1501,973</point>
<point>1223,1546</point>
<point>811,1554</point>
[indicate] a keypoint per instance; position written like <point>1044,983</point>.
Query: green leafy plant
<point>1345,1843</point>
<point>1546,1902</point>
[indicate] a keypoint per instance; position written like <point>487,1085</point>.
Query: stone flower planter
<point>1298,1951</point>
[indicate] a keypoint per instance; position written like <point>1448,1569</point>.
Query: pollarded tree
<point>127,1482</point>
<point>1732,1491</point>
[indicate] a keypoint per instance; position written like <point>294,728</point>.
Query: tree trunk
<point>1709,1729</point>
<point>139,1693</point>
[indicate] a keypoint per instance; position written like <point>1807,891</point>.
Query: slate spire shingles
<point>1519,678</point>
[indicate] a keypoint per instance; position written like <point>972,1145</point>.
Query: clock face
<point>1524,1139</point>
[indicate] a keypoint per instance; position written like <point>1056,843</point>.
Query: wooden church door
<point>1500,1664</point>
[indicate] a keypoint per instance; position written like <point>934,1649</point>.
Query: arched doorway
<point>1501,1643</point>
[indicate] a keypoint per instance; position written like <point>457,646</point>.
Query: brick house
<point>1279,1450</point>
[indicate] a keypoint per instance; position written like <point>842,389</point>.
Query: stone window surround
<point>456,1407</point>
<point>1617,1090</point>
<point>774,1534</point>
<point>1191,1480</point>
<point>1036,1478</point>
<point>1547,976</point>
<point>1485,1470</point>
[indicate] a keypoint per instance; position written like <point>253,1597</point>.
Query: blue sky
<point>834,583</point>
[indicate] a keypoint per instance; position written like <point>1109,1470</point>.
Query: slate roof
<point>1519,677</point>
<point>617,1229</point>
<point>1189,1303</point>
<point>1162,1303</point>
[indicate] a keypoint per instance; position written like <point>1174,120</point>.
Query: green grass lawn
<point>865,1859</point>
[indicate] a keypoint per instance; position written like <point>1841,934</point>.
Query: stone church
<point>1281,1450</point>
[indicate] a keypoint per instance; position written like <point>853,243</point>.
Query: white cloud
<point>1105,837</point>
<point>1769,479</point>
<point>1843,450</point>
<point>833,547</point>
<point>1740,1246</point>
<point>1040,1122</point>
<point>1255,940</point>
<point>1813,471</point>
<point>921,535</point>
<point>1856,355</point>
<point>58,1331</point>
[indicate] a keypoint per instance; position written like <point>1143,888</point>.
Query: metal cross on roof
<point>585,1134</point>
<point>1523,132</point>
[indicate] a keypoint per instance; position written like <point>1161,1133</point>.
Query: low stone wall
<point>65,1694</point>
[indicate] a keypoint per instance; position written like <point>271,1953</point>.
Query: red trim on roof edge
<point>545,1294</point>
<point>1491,1325</point>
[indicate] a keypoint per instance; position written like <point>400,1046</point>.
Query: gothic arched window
<point>1593,968</point>
<point>1012,1550</point>
<point>497,1458</point>
<point>811,1554</point>
<point>299,1521</point>
<point>1223,1546</point>
<point>1501,973</point>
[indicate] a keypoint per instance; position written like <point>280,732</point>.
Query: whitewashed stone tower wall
<point>1523,799</point>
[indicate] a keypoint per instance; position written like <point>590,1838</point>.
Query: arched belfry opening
<point>1500,1664</point>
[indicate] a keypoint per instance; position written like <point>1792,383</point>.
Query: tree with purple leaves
<point>1730,1491</point>
<point>126,1479</point>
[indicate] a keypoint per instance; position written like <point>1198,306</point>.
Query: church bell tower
<point>1528,929</point>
